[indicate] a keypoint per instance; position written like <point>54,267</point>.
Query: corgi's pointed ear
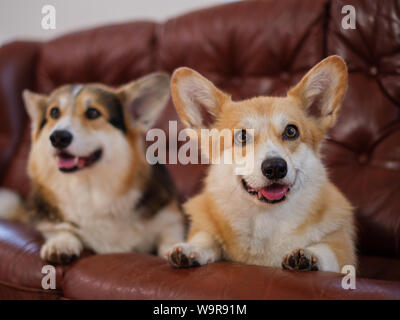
<point>322,89</point>
<point>35,105</point>
<point>145,98</point>
<point>196,99</point>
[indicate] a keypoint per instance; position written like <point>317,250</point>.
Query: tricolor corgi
<point>285,212</point>
<point>91,186</point>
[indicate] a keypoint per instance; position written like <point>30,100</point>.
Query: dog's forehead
<point>76,89</point>
<point>65,95</point>
<point>100,94</point>
<point>261,113</point>
<point>60,94</point>
<point>68,95</point>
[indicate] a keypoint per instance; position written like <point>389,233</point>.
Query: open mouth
<point>272,193</point>
<point>69,163</point>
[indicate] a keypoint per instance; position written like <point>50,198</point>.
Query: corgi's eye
<point>291,132</point>
<point>242,137</point>
<point>92,113</point>
<point>55,113</point>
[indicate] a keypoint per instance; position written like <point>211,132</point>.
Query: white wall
<point>21,19</point>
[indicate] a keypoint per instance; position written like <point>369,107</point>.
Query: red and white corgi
<point>91,186</point>
<point>285,212</point>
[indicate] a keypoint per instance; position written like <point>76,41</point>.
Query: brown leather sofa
<point>247,48</point>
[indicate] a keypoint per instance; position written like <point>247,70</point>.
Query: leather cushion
<point>142,276</point>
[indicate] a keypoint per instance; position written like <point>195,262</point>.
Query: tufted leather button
<point>285,76</point>
<point>371,19</point>
<point>373,71</point>
<point>363,158</point>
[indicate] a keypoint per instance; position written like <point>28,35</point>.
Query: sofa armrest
<point>17,70</point>
<point>140,276</point>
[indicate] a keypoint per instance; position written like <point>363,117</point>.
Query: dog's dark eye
<point>54,113</point>
<point>242,137</point>
<point>291,132</point>
<point>92,113</point>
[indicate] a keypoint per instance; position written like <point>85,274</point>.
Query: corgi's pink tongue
<point>70,162</point>
<point>274,191</point>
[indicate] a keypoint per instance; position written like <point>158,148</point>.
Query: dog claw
<point>61,258</point>
<point>180,260</point>
<point>300,259</point>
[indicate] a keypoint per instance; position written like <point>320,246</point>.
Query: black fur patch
<point>159,191</point>
<point>114,107</point>
<point>42,123</point>
<point>41,209</point>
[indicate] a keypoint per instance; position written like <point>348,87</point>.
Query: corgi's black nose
<point>274,168</point>
<point>61,139</point>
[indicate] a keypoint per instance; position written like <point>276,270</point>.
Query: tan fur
<point>227,222</point>
<point>139,168</point>
<point>204,215</point>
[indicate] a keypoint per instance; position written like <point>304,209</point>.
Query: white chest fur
<point>267,238</point>
<point>106,222</point>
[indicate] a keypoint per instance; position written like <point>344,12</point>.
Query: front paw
<point>300,259</point>
<point>61,249</point>
<point>181,256</point>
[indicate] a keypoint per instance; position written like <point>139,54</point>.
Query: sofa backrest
<point>246,48</point>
